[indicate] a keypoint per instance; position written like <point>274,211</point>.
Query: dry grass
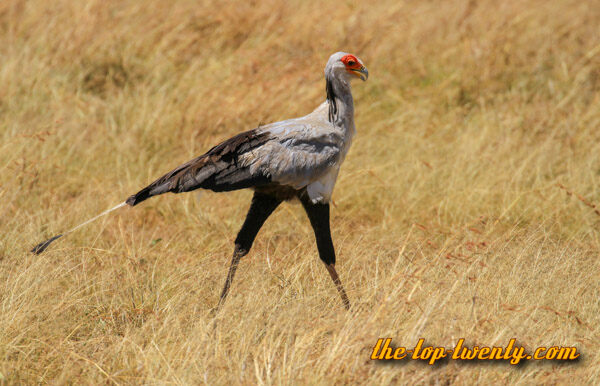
<point>463,208</point>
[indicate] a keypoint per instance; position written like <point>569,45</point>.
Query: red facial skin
<point>351,63</point>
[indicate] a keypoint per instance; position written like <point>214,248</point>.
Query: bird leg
<point>260,209</point>
<point>318,214</point>
<point>338,284</point>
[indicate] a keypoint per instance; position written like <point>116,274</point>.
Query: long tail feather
<point>41,247</point>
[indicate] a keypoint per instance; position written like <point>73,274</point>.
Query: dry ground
<point>464,208</point>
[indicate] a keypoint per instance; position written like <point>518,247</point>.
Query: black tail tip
<point>140,196</point>
<point>131,201</point>
<point>41,247</point>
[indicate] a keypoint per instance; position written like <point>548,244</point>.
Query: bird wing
<point>294,152</point>
<point>297,153</point>
<point>219,169</point>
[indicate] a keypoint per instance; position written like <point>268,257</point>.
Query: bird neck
<point>341,104</point>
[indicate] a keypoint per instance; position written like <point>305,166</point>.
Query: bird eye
<point>351,63</point>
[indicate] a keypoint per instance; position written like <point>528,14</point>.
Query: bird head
<point>346,66</point>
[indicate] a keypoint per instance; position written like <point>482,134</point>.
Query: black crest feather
<point>331,98</point>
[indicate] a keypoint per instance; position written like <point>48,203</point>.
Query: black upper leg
<point>260,209</point>
<point>318,214</point>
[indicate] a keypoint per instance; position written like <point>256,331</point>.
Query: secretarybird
<point>293,159</point>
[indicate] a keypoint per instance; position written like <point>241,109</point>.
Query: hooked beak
<point>362,73</point>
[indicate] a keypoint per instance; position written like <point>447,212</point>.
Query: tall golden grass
<point>465,207</point>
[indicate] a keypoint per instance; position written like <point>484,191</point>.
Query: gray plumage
<point>301,153</point>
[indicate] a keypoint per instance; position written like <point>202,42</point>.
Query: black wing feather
<point>217,170</point>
